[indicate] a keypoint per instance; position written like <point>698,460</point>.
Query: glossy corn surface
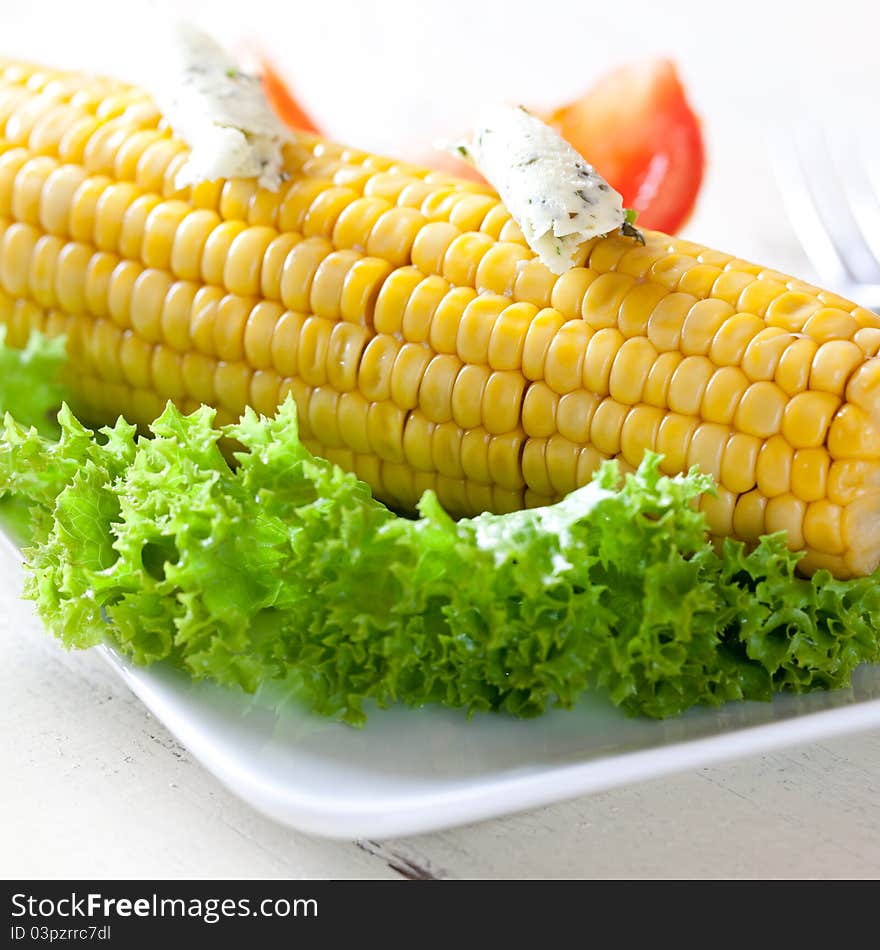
<point>424,344</point>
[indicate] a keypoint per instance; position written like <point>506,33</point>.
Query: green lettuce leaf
<point>281,571</point>
<point>30,382</point>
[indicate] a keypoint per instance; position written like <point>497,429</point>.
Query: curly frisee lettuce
<point>283,569</point>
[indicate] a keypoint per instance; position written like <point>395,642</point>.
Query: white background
<point>91,785</point>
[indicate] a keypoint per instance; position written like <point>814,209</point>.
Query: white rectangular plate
<point>411,771</point>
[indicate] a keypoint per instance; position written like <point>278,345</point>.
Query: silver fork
<point>830,185</point>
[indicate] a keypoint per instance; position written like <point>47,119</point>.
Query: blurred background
<point>396,75</point>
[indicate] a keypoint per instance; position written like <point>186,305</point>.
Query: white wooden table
<point>92,785</point>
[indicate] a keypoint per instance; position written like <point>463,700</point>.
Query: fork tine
<point>797,196</point>
<point>862,204</point>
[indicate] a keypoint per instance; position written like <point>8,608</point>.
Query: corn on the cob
<point>423,343</point>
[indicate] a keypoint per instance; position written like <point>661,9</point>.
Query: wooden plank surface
<point>92,785</point>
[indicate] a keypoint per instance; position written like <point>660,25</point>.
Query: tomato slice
<point>636,128</point>
<point>283,100</point>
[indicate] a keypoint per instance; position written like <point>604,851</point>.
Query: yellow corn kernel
<point>167,374</point>
<point>418,433</point>
<point>534,467</point>
<point>730,286</point>
<point>176,317</point>
<point>739,462</point>
<point>42,269</point>
<point>345,346</point>
<point>285,343</point>
<point>853,434</point>
<point>602,351</point>
<point>639,433</point>
<point>503,458</point>
<point>761,410</point>
<point>534,283</point>
<point>607,426</point>
<point>468,394</point>
<point>723,394</point>
<point>17,246</point>
<point>667,319</point>
<point>56,198</point>
<point>833,365</point>
<point>848,479</point>
<point>863,388</point>
<point>706,448</point>
<point>462,257</point>
<point>773,471</point>
<point>763,353</point>
<point>258,330</point>
<point>719,511</point>
<point>809,474</point>
<point>393,235</point>
<point>569,291</point>
<point>189,242</point>
<point>603,299</point>
<point>563,366</point>
<point>70,277</point>
<point>232,317</point>
<point>421,307</point>
<point>499,267</point>
<point>807,418</point>
<point>431,244</point>
<point>446,449</point>
<point>830,324</point>
<point>574,414</point>
<point>475,455</point>
<point>385,430</point>
<point>795,364</point>
<point>502,401</point>
<point>671,268</point>
<point>539,410</point>
<point>508,337</point>
<point>630,369</point>
<point>822,527</point>
<point>435,393</point>
<point>542,329</point>
<point>791,310</point>
<point>636,307</point>
<point>758,295</point>
<point>561,458</point>
<point>786,513</point>
<point>300,267</point>
<point>28,188</point>
<point>324,417</point>
<point>868,340</point>
<point>688,384</point>
<point>406,374</point>
<point>148,296</point>
<point>352,422</point>
<point>749,516</point>
<point>673,441</point>
<point>119,290</point>
<point>734,335</point>
<point>475,328</point>
<point>702,322</point>
<point>447,317</point>
<point>656,391</point>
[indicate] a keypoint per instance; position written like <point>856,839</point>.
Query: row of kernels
<point>554,466</point>
<point>401,487</point>
<point>447,389</point>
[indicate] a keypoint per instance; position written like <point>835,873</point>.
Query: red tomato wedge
<point>636,128</point>
<point>282,99</point>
